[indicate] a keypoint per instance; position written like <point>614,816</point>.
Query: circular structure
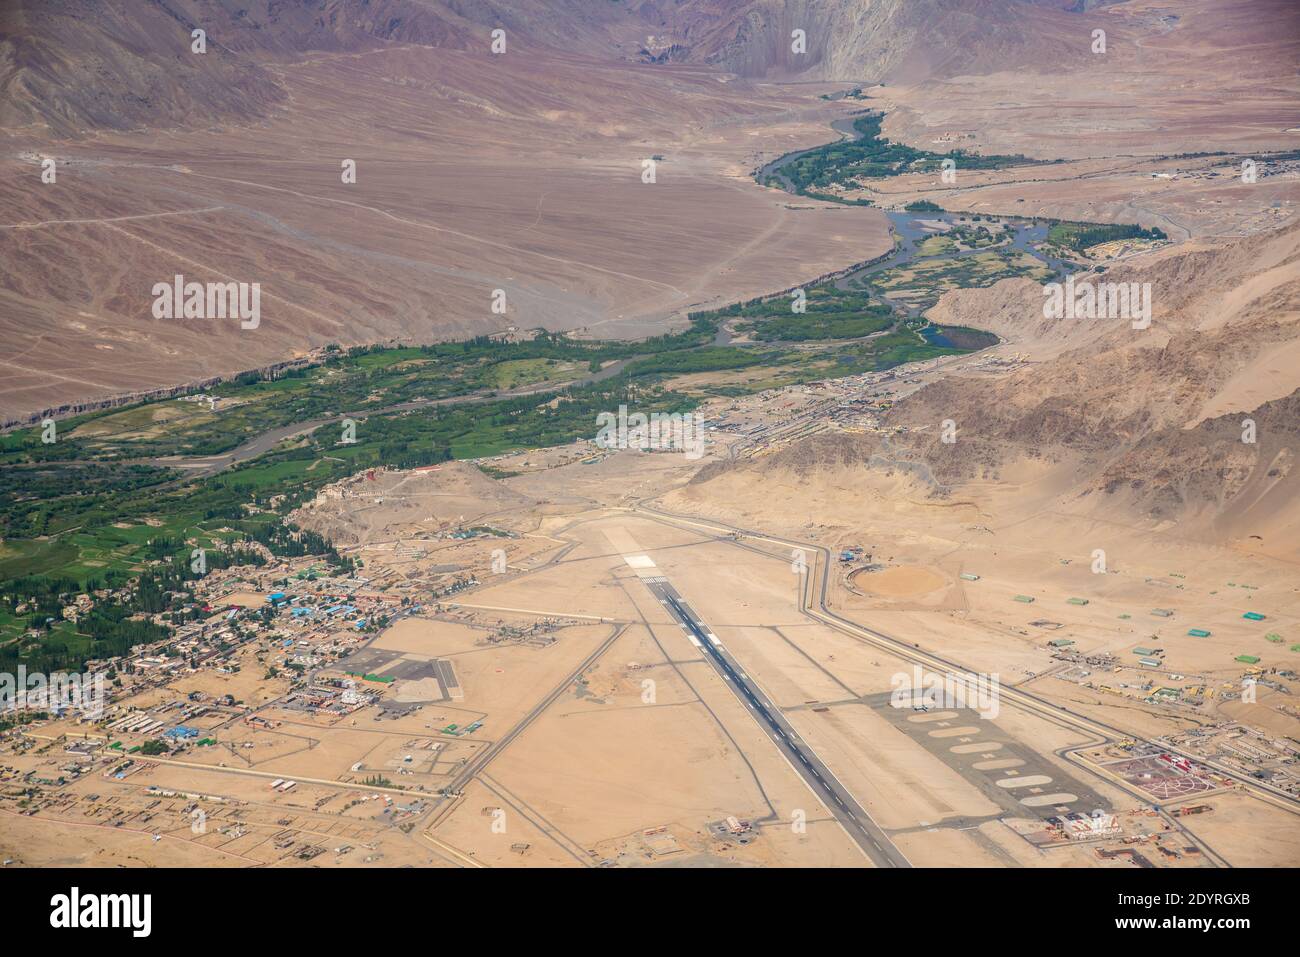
<point>902,581</point>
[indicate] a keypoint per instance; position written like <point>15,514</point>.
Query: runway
<point>855,820</point>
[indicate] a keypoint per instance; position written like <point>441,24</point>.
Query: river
<point>909,230</point>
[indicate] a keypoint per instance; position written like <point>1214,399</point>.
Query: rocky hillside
<point>870,40</point>
<point>83,65</point>
<point>1148,423</point>
<point>1209,475</point>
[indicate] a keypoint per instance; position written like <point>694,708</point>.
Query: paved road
<point>477,763</point>
<point>818,587</point>
<point>864,831</point>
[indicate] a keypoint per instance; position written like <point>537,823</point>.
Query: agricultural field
<point>145,422</point>
<point>75,512</point>
<point>1080,237</point>
<point>514,373</point>
<point>128,492</point>
<point>356,381</point>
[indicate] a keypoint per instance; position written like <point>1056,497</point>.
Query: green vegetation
<point>981,236</point>
<point>34,632</point>
<point>830,313</point>
<point>95,514</point>
<point>708,359</point>
<point>354,382</point>
<point>1081,236</point>
<point>923,206</point>
<point>872,156</point>
<point>936,246</point>
<point>70,530</point>
<point>920,283</point>
<point>514,373</point>
<point>19,718</point>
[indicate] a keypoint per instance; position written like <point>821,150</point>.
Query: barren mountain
<point>522,172</point>
<point>475,172</point>
<point>855,40</point>
<point>1209,476</point>
<point>84,65</point>
<point>1192,421</point>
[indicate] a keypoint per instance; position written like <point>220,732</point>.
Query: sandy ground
<point>617,744</point>
<point>461,189</point>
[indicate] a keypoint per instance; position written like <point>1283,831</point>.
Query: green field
<point>514,373</point>
<point>1081,236</point>
<point>936,246</point>
<point>921,282</point>
<point>89,513</point>
<point>829,313</point>
<point>873,156</point>
<point>352,381</point>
